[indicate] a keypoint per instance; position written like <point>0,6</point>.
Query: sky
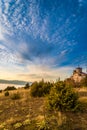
<point>42,38</point>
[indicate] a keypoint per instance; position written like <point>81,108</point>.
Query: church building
<point>78,75</point>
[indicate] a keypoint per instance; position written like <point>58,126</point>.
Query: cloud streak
<point>37,72</point>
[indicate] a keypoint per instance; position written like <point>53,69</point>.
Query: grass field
<point>28,113</point>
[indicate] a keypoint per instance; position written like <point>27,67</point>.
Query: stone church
<point>78,75</point>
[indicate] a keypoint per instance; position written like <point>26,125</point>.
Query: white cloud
<point>1,33</point>
<point>6,7</point>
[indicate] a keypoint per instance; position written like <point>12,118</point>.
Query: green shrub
<point>6,93</point>
<point>27,86</point>
<point>17,125</point>
<point>27,122</point>
<point>15,96</point>
<point>10,88</point>
<point>40,89</point>
<point>0,91</point>
<point>43,125</point>
<point>63,98</point>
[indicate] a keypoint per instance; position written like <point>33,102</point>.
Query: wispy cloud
<point>37,72</point>
<point>1,33</point>
<point>28,18</point>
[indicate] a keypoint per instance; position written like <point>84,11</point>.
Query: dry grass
<point>16,113</point>
<point>12,111</point>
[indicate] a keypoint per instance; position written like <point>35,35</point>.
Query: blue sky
<point>42,38</point>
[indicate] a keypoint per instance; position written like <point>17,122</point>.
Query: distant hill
<point>17,82</point>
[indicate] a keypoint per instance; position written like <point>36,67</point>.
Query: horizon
<point>19,82</point>
<point>42,39</point>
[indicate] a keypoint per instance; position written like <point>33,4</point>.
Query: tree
<point>27,86</point>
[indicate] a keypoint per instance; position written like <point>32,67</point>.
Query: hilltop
<point>21,111</point>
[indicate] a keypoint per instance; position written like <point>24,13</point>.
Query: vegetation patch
<point>10,88</point>
<point>16,96</point>
<point>43,125</point>
<point>0,91</point>
<point>40,89</point>
<point>63,98</point>
<point>2,125</point>
<point>17,125</point>
<point>27,122</point>
<point>27,86</point>
<point>6,93</point>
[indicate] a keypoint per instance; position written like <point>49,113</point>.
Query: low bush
<point>15,96</point>
<point>27,86</point>
<point>40,89</point>
<point>6,93</point>
<point>63,98</point>
<point>10,88</point>
<point>0,91</point>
